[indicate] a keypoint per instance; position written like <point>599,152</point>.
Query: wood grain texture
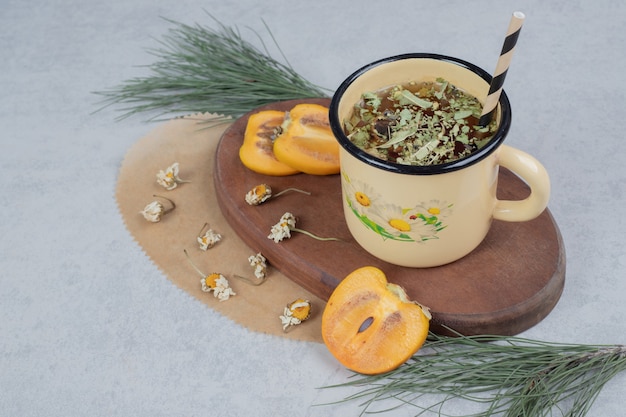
<point>505,286</point>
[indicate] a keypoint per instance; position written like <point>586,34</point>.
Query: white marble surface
<point>90,327</point>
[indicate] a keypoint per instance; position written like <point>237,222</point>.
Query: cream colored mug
<point>425,216</point>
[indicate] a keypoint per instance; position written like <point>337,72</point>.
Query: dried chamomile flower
<point>208,239</point>
<point>259,194</point>
<point>295,313</point>
<point>263,192</point>
<point>218,284</point>
<point>259,263</point>
<point>286,225</point>
<point>169,178</point>
<point>282,229</point>
<point>215,282</point>
<point>155,210</point>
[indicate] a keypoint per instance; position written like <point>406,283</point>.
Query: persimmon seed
<point>366,324</point>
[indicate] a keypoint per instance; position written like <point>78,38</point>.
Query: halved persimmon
<point>307,143</point>
<point>256,152</point>
<point>370,326</point>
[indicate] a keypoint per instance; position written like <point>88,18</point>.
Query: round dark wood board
<point>505,286</point>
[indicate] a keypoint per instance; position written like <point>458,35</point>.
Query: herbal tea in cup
<point>418,174</point>
<point>418,123</point>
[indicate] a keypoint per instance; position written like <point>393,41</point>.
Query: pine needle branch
<point>511,376</point>
<point>199,70</point>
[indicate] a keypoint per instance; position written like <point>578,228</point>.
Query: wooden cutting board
<point>508,284</point>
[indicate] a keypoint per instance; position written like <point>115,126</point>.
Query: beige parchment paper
<point>192,143</point>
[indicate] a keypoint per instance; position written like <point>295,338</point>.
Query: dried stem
<point>200,233</point>
<point>295,229</point>
<point>291,189</point>
<point>167,199</point>
<point>202,274</point>
<point>251,282</point>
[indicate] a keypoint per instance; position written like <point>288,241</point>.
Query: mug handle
<point>535,175</point>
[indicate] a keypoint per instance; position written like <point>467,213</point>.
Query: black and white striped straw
<point>495,89</point>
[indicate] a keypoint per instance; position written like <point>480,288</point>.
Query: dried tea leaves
<point>425,123</point>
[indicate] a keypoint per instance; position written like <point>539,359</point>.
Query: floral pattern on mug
<point>363,194</point>
<point>415,224</point>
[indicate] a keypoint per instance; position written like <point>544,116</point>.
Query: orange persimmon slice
<point>307,143</point>
<point>370,326</point>
<point>256,152</point>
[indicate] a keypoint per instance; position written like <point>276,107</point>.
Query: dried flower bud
<point>169,178</point>
<point>295,313</point>
<point>286,225</point>
<point>259,263</point>
<point>259,194</point>
<point>214,282</point>
<point>218,284</point>
<point>208,239</point>
<point>282,229</point>
<point>263,192</point>
<point>155,210</point>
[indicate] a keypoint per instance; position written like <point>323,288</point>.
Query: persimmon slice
<point>370,326</point>
<point>256,152</point>
<point>307,143</point>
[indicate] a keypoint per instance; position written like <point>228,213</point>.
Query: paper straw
<point>495,89</point>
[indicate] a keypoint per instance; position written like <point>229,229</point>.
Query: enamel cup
<point>425,216</point>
